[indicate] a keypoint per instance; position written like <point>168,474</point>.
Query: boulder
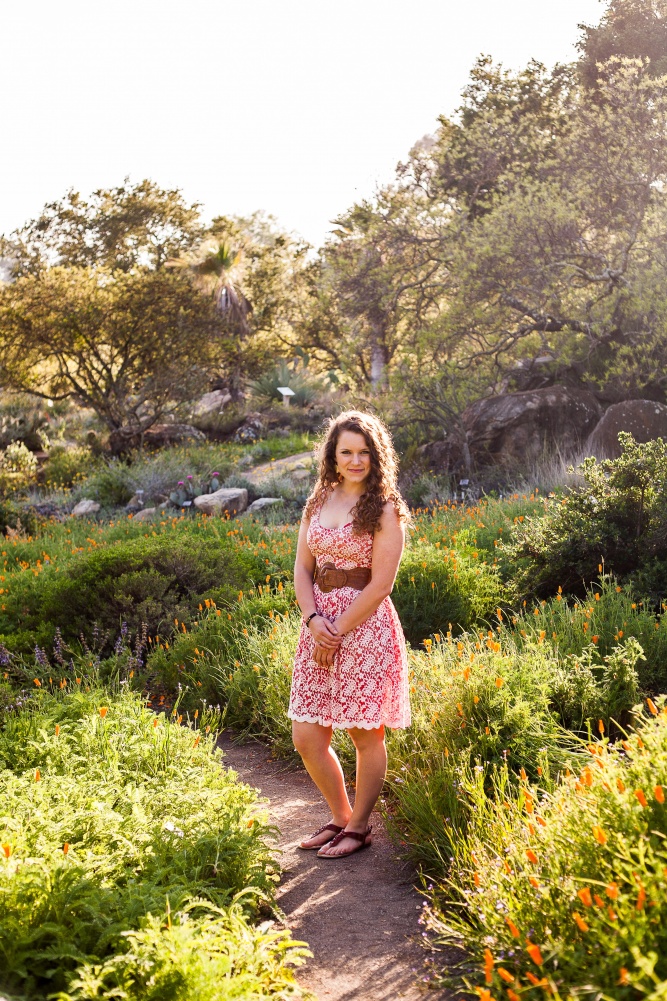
<point>145,514</point>
<point>211,403</point>
<point>227,500</point>
<point>516,428</point>
<point>157,436</point>
<point>252,428</point>
<point>85,508</point>
<point>263,502</point>
<point>644,419</point>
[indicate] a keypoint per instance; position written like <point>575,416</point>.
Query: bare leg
<point>371,771</point>
<point>313,742</point>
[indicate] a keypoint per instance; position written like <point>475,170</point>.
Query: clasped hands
<point>327,640</point>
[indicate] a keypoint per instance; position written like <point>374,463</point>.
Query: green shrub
<point>65,467</point>
<point>436,590</point>
<point>121,814</point>
<point>147,581</point>
<point>564,887</point>
<point>111,486</point>
<point>618,518</point>
<point>16,517</point>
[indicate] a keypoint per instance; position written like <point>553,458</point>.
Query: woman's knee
<point>363,739</point>
<point>310,739</point>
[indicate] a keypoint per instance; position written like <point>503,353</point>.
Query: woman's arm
<point>304,568</point>
<point>387,550</point>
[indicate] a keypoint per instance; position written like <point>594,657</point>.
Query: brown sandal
<point>327,827</point>
<point>363,839</point>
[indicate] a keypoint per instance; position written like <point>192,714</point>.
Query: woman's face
<point>353,457</point>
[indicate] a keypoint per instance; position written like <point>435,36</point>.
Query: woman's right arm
<point>324,631</point>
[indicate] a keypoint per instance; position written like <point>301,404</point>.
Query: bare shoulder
<point>389,518</point>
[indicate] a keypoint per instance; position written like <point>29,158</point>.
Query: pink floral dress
<point>367,685</point>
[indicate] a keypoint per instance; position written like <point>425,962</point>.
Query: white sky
<point>297,107</point>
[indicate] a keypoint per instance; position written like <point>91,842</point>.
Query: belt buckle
<point>331,577</point>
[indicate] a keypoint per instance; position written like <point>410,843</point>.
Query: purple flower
<point>216,474</point>
<point>5,656</point>
<point>181,483</point>
<point>40,657</point>
<point>189,476</point>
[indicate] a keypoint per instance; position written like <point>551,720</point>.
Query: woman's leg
<point>313,742</point>
<point>371,771</point>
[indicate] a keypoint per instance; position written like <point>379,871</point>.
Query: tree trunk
<point>379,358</point>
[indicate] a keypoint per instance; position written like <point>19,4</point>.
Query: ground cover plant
<point>131,861</point>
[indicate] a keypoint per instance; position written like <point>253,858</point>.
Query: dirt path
<point>360,915</point>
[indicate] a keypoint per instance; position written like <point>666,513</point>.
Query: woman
<point>350,669</point>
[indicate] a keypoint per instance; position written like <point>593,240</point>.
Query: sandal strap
<point>327,827</point>
<point>354,835</point>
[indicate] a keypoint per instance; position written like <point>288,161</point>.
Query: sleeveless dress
<point>367,684</point>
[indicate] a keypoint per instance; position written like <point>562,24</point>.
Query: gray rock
<point>211,403</point>
<point>519,427</point>
<point>227,500</point>
<point>263,502</point>
<point>300,474</point>
<point>145,514</point>
<point>85,508</point>
<point>644,419</point>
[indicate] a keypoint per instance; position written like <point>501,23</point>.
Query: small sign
<point>286,392</point>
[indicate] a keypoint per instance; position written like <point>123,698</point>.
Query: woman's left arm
<point>387,550</point>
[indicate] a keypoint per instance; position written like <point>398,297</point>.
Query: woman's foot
<point>346,843</point>
<point>321,837</point>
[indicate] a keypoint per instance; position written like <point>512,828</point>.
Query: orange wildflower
<point>659,794</point>
<point>639,793</point>
<point>641,899</point>
<point>512,995</point>
<point>651,707</point>
<point>585,896</point>
<point>599,835</point>
<point>513,928</point>
<point>103,711</point>
<point>499,682</point>
<point>581,924</point>
<point>623,980</point>
<point>612,890</point>
<point>534,953</point>
<point>6,850</point>
<point>531,856</point>
<point>488,966</point>
<point>505,975</point>
<point>533,882</point>
<point>37,775</point>
<point>620,785</point>
<point>57,730</point>
<point>66,848</point>
<point>37,682</point>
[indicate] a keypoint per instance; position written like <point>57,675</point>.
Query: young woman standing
<point>350,670</point>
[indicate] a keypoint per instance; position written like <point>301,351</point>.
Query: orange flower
<point>659,794</point>
<point>612,915</point>
<point>66,848</point>
<point>155,722</point>
<point>506,975</point>
<point>639,793</point>
<point>57,730</point>
<point>499,682</point>
<point>534,953</point>
<point>103,711</point>
<point>197,739</point>
<point>523,775</point>
<point>37,682</point>
<point>651,707</point>
<point>513,928</point>
<point>641,899</point>
<point>6,850</point>
<point>531,856</point>
<point>599,835</point>
<point>488,966</point>
<point>623,980</point>
<point>600,722</point>
<point>585,896</point>
<point>512,995</point>
<point>484,994</point>
<point>612,890</point>
<point>37,775</point>
<point>533,882</point>
<point>620,785</point>
<point>581,924</point>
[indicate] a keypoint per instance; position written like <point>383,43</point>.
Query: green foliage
<point>143,581</point>
<point>18,468</point>
<point>574,867</point>
<point>65,467</point>
<point>305,385</point>
<point>618,518</point>
<point>149,819</point>
<point>436,590</point>
<point>16,517</point>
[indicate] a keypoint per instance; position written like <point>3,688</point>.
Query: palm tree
<point>217,269</point>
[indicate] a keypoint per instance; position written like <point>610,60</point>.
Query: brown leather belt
<point>328,576</point>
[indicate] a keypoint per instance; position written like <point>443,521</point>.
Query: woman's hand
<point>322,656</point>
<point>325,633</point>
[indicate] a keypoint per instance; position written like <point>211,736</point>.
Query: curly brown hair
<point>381,482</point>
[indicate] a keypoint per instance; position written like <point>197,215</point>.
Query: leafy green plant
<point>561,885</point>
<point>306,386</point>
<point>122,813</point>
<point>619,518</point>
<point>65,467</point>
